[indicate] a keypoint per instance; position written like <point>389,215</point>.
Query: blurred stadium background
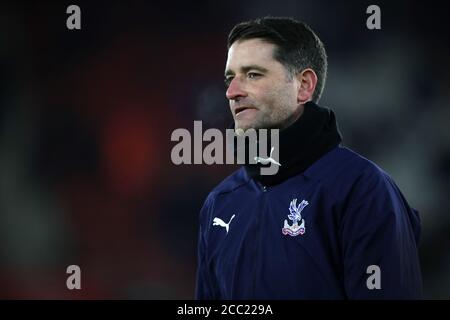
<point>86,118</point>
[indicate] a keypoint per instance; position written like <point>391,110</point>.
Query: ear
<point>307,80</point>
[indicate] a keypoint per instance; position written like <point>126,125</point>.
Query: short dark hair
<point>298,47</point>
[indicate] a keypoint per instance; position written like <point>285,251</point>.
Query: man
<point>329,224</point>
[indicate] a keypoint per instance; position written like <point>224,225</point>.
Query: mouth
<point>240,110</point>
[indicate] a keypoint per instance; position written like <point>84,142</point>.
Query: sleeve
<point>379,236</point>
<point>205,283</point>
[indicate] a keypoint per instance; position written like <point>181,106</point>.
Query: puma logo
<point>219,222</point>
<point>267,160</point>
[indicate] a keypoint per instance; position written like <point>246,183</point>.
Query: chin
<point>244,126</point>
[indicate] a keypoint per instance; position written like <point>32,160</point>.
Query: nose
<point>235,90</point>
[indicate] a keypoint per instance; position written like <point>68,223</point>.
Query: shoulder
<point>234,181</point>
<point>361,183</point>
<point>364,170</point>
<point>361,167</point>
<point>343,171</point>
<point>344,161</point>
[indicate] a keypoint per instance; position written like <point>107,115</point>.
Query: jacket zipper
<point>264,189</point>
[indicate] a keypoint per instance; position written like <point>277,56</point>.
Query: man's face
<point>260,92</point>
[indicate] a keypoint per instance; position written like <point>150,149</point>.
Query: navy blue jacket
<point>256,242</point>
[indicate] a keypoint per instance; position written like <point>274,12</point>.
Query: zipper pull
<point>263,187</point>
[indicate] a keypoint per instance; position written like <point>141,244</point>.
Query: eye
<point>228,80</point>
<point>253,75</point>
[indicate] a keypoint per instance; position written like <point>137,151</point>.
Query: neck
<point>294,117</point>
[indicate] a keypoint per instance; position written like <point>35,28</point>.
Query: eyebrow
<point>245,69</point>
